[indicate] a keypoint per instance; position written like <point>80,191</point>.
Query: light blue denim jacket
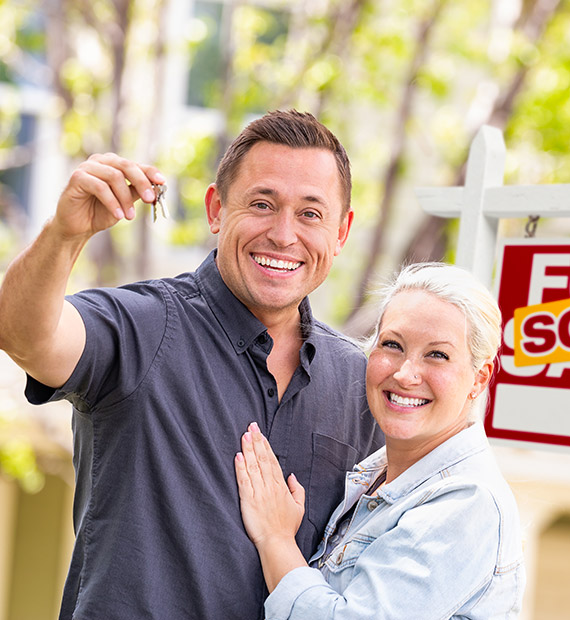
<point>440,541</point>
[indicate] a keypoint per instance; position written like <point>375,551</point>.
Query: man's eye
<point>310,215</point>
<point>261,205</point>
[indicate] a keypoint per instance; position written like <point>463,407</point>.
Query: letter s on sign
<point>539,334</point>
<point>508,361</point>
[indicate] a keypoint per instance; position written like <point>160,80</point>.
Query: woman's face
<point>420,376</point>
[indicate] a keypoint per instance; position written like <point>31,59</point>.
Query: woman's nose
<point>408,373</point>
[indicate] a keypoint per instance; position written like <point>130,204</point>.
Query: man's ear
<point>213,204</point>
<point>343,231</point>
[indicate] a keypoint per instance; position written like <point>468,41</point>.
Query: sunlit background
<point>405,84</point>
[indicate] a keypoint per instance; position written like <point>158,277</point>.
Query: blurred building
<point>36,534</point>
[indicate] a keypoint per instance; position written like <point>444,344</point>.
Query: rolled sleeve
<point>290,592</point>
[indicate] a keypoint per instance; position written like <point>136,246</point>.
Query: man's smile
<point>275,264</point>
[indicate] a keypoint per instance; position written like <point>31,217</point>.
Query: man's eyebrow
<point>268,191</point>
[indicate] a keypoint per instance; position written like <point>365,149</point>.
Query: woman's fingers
<point>252,464</point>
<point>242,477</point>
<point>267,461</point>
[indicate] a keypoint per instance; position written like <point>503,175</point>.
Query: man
<point>166,375</point>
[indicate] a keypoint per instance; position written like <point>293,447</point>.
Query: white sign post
<point>484,200</point>
<point>530,398</point>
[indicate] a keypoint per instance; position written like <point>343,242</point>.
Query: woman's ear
<point>483,377</point>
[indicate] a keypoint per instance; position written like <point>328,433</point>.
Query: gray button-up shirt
<point>173,372</point>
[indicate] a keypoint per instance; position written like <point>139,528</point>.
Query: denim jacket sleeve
<point>439,557</point>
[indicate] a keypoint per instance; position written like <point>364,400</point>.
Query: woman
<point>428,527</point>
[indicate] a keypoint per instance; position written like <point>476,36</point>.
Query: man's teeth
<point>402,401</point>
<point>276,264</point>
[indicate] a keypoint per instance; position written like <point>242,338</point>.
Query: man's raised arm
<point>40,331</point>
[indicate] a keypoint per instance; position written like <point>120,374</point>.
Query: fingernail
<point>159,177</point>
<point>239,456</point>
<point>148,196</point>
<point>130,214</point>
<point>119,214</point>
<point>254,427</point>
<point>247,436</point>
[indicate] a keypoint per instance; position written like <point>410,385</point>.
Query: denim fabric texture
<point>440,541</point>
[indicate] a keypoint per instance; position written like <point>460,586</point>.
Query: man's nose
<point>283,229</point>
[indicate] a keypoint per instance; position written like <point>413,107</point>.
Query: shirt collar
<point>240,325</point>
<point>465,443</point>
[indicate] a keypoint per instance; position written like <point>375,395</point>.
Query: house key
<point>159,191</point>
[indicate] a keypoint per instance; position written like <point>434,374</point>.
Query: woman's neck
<point>401,454</point>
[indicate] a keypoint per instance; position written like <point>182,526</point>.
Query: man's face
<point>280,227</point>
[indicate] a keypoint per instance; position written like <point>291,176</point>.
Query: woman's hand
<point>271,507</point>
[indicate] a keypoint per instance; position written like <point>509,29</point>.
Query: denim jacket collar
<point>467,442</point>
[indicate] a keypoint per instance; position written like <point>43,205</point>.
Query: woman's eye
<point>440,355</point>
<point>391,344</point>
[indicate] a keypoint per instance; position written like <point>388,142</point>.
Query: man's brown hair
<point>289,128</point>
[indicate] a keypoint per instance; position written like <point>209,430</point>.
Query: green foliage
<point>191,161</point>
<point>353,63</point>
<point>540,127</point>
<point>18,461</point>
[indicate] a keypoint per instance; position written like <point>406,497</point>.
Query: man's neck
<point>283,360</point>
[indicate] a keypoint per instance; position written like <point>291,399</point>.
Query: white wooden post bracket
<point>484,200</point>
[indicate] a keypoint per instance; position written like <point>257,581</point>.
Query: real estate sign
<point>530,397</point>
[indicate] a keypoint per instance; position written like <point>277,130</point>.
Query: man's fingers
<point>127,180</point>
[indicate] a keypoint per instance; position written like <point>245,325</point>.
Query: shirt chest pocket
<point>346,555</point>
<point>331,460</point>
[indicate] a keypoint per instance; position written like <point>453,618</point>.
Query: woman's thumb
<point>297,490</point>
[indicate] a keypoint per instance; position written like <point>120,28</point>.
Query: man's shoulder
<point>327,336</point>
<point>183,285</point>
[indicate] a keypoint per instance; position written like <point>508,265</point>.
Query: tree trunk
<point>391,174</point>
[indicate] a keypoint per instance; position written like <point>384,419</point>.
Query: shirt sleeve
<point>124,329</point>
<point>438,556</point>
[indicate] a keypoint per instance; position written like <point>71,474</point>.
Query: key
<point>159,191</point>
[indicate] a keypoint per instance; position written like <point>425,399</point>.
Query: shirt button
<point>372,505</point>
<point>240,342</point>
<point>271,392</point>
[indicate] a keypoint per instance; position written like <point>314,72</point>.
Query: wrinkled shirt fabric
<point>440,541</point>
<point>173,372</point>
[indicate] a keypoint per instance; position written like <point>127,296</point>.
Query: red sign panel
<point>529,401</point>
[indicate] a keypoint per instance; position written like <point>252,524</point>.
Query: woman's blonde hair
<point>458,287</point>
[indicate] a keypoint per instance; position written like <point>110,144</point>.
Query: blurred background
<point>405,85</point>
